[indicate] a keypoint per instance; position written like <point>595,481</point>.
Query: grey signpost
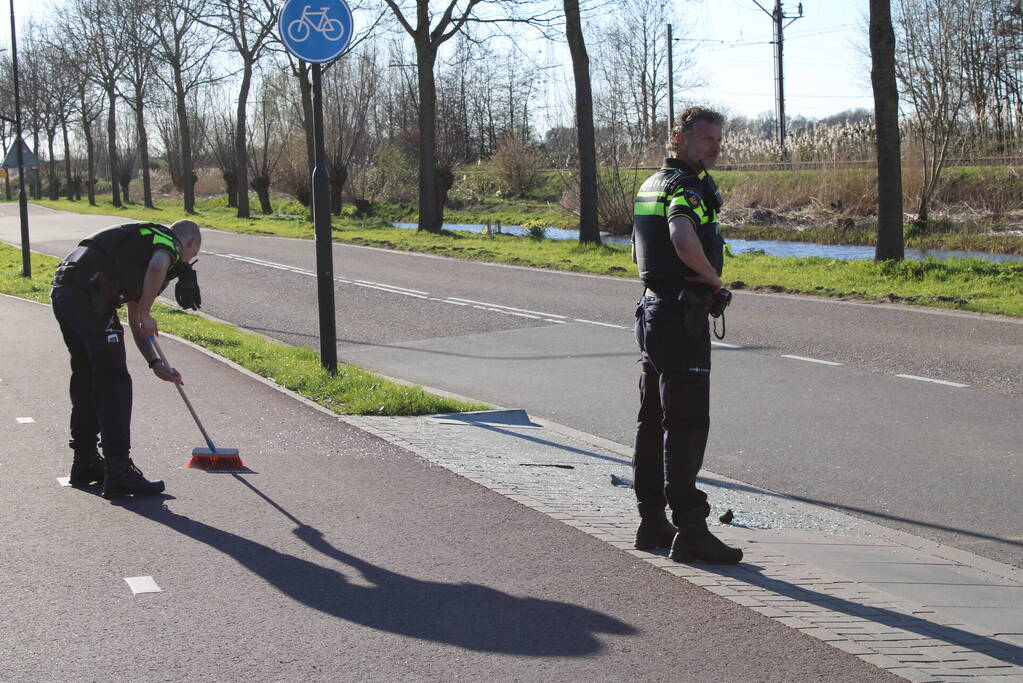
<point>317,31</point>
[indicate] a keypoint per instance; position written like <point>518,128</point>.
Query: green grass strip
<point>968,284</point>
<point>352,391</point>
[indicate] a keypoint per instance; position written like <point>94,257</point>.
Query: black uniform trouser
<point>674,413</point>
<point>100,383</point>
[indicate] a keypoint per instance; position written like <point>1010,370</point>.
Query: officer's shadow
<point>465,615</point>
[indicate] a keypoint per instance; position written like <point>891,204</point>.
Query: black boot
<point>124,479</point>
<point>654,533</point>
<point>87,468</point>
<point>699,545</point>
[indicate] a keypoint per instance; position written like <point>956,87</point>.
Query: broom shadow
<point>465,615</point>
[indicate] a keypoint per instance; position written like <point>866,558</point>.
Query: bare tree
<point>140,66</point>
<point>349,89</point>
<point>431,30</point>
<point>184,47</point>
<point>222,152</point>
<point>95,33</point>
<point>634,72</point>
<point>886,117</point>
<point>246,25</point>
<point>267,137</point>
<point>931,70</point>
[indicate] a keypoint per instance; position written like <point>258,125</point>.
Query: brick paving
<point>568,477</point>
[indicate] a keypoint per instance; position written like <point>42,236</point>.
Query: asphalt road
<point>917,452</point>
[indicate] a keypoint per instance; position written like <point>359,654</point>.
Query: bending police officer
<point>130,264</point>
<point>679,253</point>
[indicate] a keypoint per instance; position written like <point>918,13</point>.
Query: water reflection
<point>772,247</point>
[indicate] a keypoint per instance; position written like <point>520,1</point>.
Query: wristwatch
<point>154,362</point>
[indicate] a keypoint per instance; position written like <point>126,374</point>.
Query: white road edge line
<point>935,381</point>
<point>811,360</point>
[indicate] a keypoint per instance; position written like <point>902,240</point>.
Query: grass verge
<point>352,391</point>
<point>969,284</point>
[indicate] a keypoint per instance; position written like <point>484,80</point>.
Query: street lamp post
<point>26,259</point>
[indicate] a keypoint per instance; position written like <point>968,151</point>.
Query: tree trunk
<point>90,163</point>
<point>240,149</point>
<point>261,184</point>
<point>589,228</point>
<point>231,188</point>
<point>431,216</point>
<point>37,178</point>
<point>185,141</point>
<point>52,164</point>
<point>67,162</point>
<point>112,145</point>
<point>890,246</point>
<point>140,124</point>
<point>125,181</point>
<point>336,179</point>
<point>306,89</point>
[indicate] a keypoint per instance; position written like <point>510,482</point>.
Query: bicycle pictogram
<point>300,29</point>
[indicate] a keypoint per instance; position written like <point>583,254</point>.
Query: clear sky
<point>826,63</point>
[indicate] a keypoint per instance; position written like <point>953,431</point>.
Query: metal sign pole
<point>26,258</point>
<point>321,224</point>
<point>317,31</point>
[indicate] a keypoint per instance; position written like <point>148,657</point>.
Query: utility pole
<point>671,87</point>
<point>778,16</point>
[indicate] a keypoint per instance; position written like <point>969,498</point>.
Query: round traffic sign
<point>315,30</point>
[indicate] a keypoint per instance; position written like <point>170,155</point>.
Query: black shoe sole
<point>690,559</point>
<point>652,546</point>
<point>125,493</point>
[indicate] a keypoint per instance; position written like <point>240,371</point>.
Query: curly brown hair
<point>685,121</point>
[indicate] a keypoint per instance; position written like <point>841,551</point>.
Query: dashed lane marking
<point>142,584</point>
<point>419,294</point>
<point>935,381</point>
<point>24,420</point>
<point>811,360</point>
<point>511,310</point>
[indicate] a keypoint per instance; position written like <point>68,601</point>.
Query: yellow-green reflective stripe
<point>698,209</point>
<point>649,208</point>
<point>159,237</point>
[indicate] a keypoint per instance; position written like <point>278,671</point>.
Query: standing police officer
<point>130,264</point>
<point>679,253</point>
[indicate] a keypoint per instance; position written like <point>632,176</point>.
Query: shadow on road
<point>862,512</point>
<point>464,615</point>
<point>998,649</point>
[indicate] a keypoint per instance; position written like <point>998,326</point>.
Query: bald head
<point>188,234</point>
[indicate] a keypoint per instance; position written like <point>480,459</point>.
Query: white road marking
<point>24,420</point>
<point>726,346</point>
<point>64,481</point>
<point>594,322</point>
<point>935,381</point>
<point>419,294</point>
<point>142,584</point>
<point>811,360</point>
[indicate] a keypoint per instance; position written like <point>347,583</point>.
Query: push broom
<point>211,458</point>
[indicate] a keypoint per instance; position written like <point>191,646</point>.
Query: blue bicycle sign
<point>315,30</point>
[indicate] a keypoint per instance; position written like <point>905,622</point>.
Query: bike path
<point>340,556</point>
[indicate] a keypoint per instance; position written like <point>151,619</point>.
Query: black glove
<point>722,298</point>
<point>186,291</point>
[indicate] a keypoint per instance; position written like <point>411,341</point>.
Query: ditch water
<point>772,247</point>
